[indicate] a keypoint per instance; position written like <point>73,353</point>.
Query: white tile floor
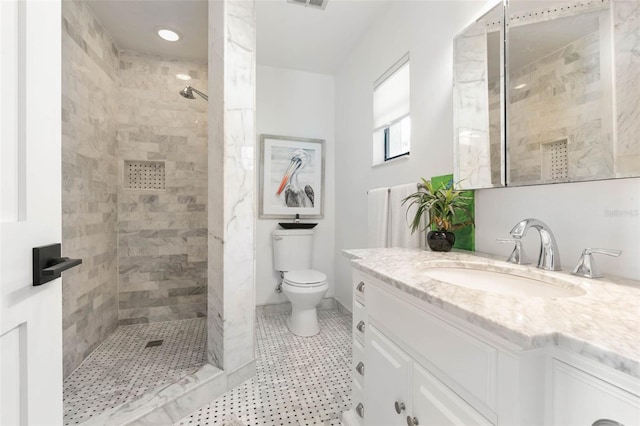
<point>122,368</point>
<point>299,381</point>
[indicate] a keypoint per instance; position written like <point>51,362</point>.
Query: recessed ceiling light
<point>168,34</point>
<point>184,77</point>
<point>520,86</point>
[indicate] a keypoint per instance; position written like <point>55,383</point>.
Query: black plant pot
<point>441,240</point>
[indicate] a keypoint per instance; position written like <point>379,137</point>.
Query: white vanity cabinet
<point>423,366</point>
<point>433,403</point>
<point>579,398</point>
<point>400,391</point>
<point>392,343</point>
<point>388,371</point>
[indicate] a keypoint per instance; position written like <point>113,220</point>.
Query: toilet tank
<point>292,249</point>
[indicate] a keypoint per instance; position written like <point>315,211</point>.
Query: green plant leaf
<point>439,205</point>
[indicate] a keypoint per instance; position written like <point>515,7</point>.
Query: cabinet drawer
<point>581,399</point>
<point>465,363</point>
<point>359,321</point>
<point>358,357</point>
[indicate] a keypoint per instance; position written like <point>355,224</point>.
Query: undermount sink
<point>503,283</point>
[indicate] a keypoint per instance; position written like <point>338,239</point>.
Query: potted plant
<point>439,207</point>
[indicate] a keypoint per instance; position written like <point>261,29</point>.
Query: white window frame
<point>381,140</point>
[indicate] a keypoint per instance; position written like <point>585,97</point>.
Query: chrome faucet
<point>517,255</point>
<point>586,267</point>
<point>549,258</point>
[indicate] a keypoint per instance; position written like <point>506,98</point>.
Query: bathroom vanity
<point>563,351</point>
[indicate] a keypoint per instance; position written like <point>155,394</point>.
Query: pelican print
<point>294,195</point>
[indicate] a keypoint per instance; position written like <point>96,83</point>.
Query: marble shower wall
<point>566,98</point>
<point>232,141</point>
<point>89,176</point>
<point>471,116</point>
<point>162,231</point>
<point>626,16</point>
<point>476,101</point>
<point>495,131</point>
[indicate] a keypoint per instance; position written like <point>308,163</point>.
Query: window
<point>391,120</point>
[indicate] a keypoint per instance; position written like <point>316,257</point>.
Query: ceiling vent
<point>315,4</point>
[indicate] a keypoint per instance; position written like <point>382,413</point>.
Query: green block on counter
<point>466,236</point>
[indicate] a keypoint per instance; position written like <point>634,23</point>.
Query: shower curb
<point>166,405</point>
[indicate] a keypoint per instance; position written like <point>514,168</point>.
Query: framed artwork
<point>291,177</point>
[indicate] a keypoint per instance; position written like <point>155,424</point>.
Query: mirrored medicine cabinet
<point>548,92</point>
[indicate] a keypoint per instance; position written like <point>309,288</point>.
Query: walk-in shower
<point>187,92</point>
<point>135,209</point>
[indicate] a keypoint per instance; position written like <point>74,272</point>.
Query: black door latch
<point>48,264</point>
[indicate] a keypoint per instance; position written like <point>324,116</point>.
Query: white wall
<point>298,104</point>
<point>604,214</point>
<point>575,212</point>
<point>426,31</point>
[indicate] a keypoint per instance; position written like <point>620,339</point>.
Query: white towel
<point>399,219</point>
<point>378,211</point>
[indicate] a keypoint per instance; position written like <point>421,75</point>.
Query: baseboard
<point>342,308</point>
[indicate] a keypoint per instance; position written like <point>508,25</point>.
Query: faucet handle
<point>608,252</point>
<point>587,267</point>
<point>517,255</point>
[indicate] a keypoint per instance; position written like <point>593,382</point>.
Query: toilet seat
<point>305,278</point>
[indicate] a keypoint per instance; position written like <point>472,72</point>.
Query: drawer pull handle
<point>412,421</point>
<point>360,287</point>
<point>360,326</point>
<point>400,407</point>
<point>360,368</point>
<point>360,410</point>
<point>606,422</point>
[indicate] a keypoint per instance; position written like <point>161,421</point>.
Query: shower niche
<point>144,175</point>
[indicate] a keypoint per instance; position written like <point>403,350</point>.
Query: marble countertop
<point>603,324</point>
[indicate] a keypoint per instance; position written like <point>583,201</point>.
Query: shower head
<point>187,92</point>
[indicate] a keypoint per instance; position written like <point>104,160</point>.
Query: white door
<point>436,404</point>
<point>30,211</point>
<point>387,381</point>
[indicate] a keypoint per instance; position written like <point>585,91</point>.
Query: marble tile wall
<point>232,141</point>
<point>162,233</point>
<point>495,130</point>
<point>89,170</point>
<point>565,98</point>
<point>476,96</point>
<point>626,15</point>
<point>471,116</point>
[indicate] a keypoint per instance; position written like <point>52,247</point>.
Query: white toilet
<point>304,287</point>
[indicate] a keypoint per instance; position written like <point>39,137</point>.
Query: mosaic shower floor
<point>123,367</point>
<point>299,381</point>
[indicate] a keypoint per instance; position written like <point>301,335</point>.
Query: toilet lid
<point>304,276</point>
